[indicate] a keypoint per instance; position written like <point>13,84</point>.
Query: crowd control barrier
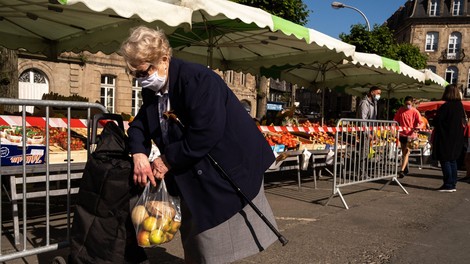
<point>365,151</point>
<point>30,180</point>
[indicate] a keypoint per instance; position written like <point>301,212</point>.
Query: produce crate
<point>12,153</point>
<point>59,155</point>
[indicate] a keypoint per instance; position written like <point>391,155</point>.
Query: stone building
<point>103,78</point>
<point>441,29</point>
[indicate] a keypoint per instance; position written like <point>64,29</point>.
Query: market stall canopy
<point>219,33</point>
<point>434,105</point>
<point>398,80</point>
<point>395,78</point>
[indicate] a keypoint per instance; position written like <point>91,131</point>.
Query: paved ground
<point>381,226</point>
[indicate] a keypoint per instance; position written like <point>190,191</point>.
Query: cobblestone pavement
<point>382,225</point>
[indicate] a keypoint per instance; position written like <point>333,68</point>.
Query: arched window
<point>452,74</point>
<point>33,84</point>
<point>434,7</point>
<point>108,85</point>
<point>432,40</point>
<point>453,49</point>
<point>247,105</point>
<point>136,97</point>
<point>457,8</point>
<point>431,68</point>
<point>467,91</point>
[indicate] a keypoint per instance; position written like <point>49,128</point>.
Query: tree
<point>381,42</point>
<point>8,77</point>
<point>292,10</point>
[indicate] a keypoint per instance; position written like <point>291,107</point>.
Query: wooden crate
<point>58,155</point>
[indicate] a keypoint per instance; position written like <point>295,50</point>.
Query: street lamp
<point>338,5</point>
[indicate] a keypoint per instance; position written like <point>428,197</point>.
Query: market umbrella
<point>395,78</point>
<point>434,105</point>
<point>219,33</point>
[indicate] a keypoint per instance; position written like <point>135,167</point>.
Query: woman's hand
<point>142,170</point>
<point>160,167</point>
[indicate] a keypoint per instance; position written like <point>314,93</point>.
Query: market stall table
<point>37,174</point>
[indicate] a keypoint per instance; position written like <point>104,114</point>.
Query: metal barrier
<point>365,151</point>
<point>18,189</point>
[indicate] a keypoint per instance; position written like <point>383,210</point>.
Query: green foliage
<point>292,10</point>
<point>59,97</point>
<point>411,55</point>
<point>380,41</point>
<point>125,117</point>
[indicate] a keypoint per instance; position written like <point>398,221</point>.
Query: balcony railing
<point>455,56</point>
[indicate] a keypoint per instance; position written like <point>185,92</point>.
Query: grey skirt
<point>243,235</point>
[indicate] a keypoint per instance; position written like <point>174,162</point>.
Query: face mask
<point>153,82</point>
<point>408,106</point>
<point>377,97</point>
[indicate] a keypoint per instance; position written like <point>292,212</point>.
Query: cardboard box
<point>278,148</point>
<point>60,156</point>
<point>12,154</point>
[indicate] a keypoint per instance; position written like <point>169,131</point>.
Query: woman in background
<point>448,136</point>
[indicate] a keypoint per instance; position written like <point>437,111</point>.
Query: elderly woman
<point>448,136</point>
<point>217,225</point>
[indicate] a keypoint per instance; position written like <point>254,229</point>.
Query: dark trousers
<point>449,171</point>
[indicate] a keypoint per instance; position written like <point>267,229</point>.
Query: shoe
<point>401,174</point>
<point>446,190</point>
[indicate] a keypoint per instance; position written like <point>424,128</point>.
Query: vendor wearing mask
<point>409,119</point>
<point>368,105</point>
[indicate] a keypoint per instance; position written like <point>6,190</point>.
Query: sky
<point>332,22</point>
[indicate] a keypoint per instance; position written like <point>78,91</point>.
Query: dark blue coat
<point>215,123</point>
<point>448,139</point>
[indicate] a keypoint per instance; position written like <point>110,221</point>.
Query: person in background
<point>448,137</point>
<point>467,163</point>
<point>218,226</point>
<point>409,119</point>
<point>425,122</point>
<point>368,105</point>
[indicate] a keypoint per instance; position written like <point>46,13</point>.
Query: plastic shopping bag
<point>305,159</point>
<point>156,216</point>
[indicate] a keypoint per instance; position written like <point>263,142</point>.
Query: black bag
<point>102,231</point>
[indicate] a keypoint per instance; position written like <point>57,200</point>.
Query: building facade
<point>441,29</point>
<point>103,78</point>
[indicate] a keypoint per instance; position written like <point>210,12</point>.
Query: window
<point>431,68</point>
<point>467,91</point>
<point>453,49</point>
<point>457,8</point>
<point>108,84</point>
<point>242,79</point>
<point>432,38</point>
<point>451,74</point>
<point>33,84</point>
<point>229,76</point>
<point>434,7</point>
<point>32,76</point>
<point>136,97</point>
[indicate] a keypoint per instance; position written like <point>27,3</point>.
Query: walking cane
<point>280,237</point>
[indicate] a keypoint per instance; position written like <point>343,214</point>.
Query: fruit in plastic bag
<point>159,208</point>
<point>139,213</point>
<point>143,238</point>
<point>150,223</point>
<point>157,237</point>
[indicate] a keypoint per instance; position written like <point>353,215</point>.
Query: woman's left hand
<point>159,167</point>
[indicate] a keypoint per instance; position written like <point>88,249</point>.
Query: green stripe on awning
<point>390,64</point>
<point>290,28</point>
<point>64,2</point>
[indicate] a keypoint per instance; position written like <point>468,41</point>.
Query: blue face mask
<point>153,82</point>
